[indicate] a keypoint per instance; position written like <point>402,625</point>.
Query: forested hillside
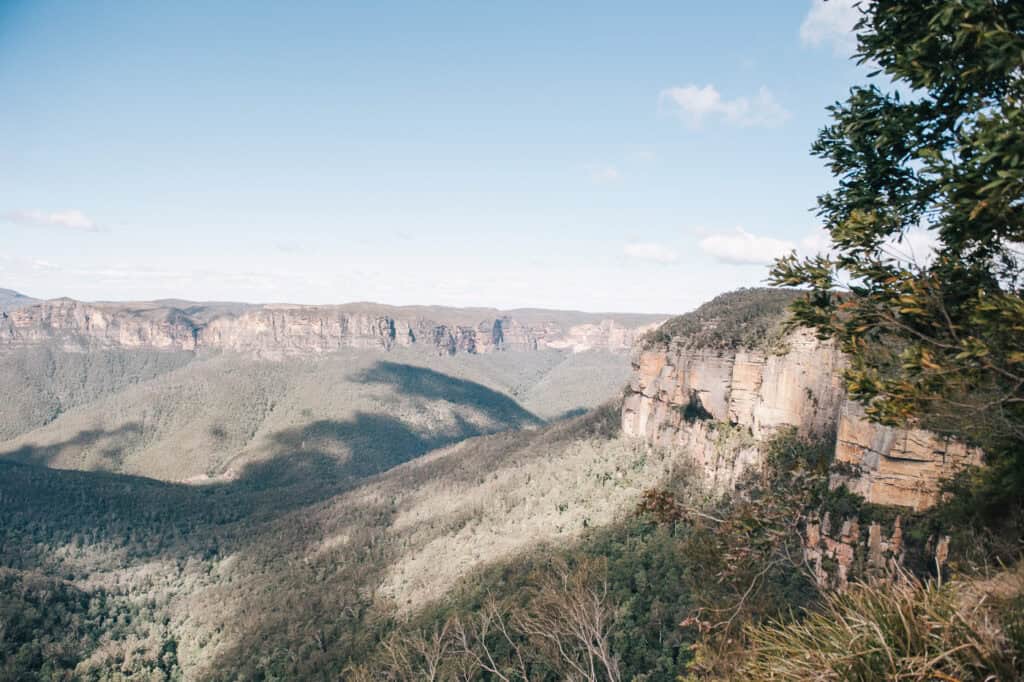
<point>344,516</point>
<point>172,416</point>
<point>819,481</point>
<point>291,559</point>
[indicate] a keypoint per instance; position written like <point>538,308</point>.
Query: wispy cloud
<point>917,246</point>
<point>651,252</point>
<point>288,247</point>
<point>695,104</point>
<point>831,23</point>
<point>744,248</point>
<point>603,173</point>
<point>68,220</point>
<point>643,155</point>
<point>740,247</point>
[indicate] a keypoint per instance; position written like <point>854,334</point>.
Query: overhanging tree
<point>939,148</point>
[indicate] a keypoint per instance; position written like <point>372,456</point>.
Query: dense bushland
<point>303,567</point>
<point>44,382</point>
<point>717,588</point>
<point>745,318</point>
<point>174,417</point>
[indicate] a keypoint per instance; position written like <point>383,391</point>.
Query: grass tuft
<point>897,630</point>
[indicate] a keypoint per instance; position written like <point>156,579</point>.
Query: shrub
<point>745,318</point>
<point>895,630</point>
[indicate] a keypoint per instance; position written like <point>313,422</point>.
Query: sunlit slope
<point>42,382</point>
<point>362,411</point>
<point>308,564</point>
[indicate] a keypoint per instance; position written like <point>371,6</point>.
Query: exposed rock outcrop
<point>686,397</point>
<point>896,466</point>
<point>297,330</point>
<point>73,322</point>
<point>720,404</point>
<point>837,552</point>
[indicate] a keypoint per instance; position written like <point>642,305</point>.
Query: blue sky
<point>597,156</point>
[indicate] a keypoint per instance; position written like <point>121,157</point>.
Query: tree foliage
<point>932,339</point>
<point>745,318</point>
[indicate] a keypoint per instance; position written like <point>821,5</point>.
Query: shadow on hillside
<point>44,455</point>
<point>303,466</point>
<point>426,383</point>
<point>269,516</point>
<point>335,451</point>
<point>268,519</point>
<point>569,414</point>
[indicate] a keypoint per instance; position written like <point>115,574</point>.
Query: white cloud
<point>917,246</point>
<point>643,155</point>
<point>743,248</point>
<point>817,242</point>
<point>288,247</point>
<point>651,252</point>
<point>831,23</point>
<point>604,173</point>
<point>694,104</point>
<point>69,220</point>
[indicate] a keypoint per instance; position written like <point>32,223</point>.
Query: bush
<point>896,630</point>
<point>745,318</point>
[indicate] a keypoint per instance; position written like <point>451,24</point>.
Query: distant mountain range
<point>183,390</point>
<point>288,329</point>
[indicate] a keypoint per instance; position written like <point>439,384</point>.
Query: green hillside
<point>290,556</point>
<point>174,417</point>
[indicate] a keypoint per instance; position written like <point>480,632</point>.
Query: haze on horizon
<point>469,155</point>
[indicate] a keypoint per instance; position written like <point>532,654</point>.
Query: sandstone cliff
<point>721,403</point>
<point>73,322</point>
<point>892,466</point>
<point>278,330</point>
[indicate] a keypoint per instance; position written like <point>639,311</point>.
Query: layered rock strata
<point>838,552</point>
<point>896,466</point>
<point>721,404</point>
<point>297,330</point>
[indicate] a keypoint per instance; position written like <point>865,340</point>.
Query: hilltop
<point>12,300</point>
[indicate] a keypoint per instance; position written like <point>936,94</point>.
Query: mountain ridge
<point>298,329</point>
<point>12,300</point>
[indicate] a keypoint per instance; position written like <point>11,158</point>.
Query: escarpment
<point>72,322</point>
<point>719,404</point>
<point>893,466</point>
<point>287,330</point>
<point>719,398</point>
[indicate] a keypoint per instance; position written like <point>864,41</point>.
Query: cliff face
<point>721,404</point>
<point>72,322</point>
<point>896,466</point>
<point>685,397</point>
<point>277,330</point>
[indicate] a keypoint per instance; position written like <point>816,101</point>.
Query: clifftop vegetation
<point>745,318</point>
<point>932,339</point>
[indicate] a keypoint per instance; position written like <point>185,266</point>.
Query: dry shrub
<point>562,632</point>
<point>897,630</point>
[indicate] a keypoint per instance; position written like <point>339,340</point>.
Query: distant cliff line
<point>288,329</point>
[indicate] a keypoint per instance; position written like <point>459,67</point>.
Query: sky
<point>600,156</point>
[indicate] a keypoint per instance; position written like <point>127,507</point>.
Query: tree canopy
<point>932,145</point>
